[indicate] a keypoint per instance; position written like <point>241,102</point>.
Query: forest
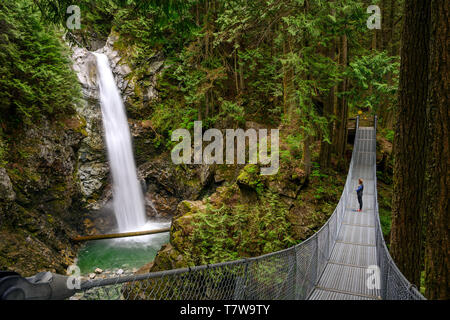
<point>309,68</point>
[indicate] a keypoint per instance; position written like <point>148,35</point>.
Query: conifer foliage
<point>35,73</point>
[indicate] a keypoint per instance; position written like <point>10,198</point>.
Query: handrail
<point>388,269</point>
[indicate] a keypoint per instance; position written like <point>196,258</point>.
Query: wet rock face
<point>88,39</point>
<point>38,206</point>
<point>119,69</point>
<point>7,193</point>
<point>134,90</point>
<point>168,184</point>
<point>159,202</point>
<point>85,66</point>
<point>93,168</point>
<point>45,173</point>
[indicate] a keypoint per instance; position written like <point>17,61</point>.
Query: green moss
<point>81,128</point>
<point>58,188</point>
<point>226,172</point>
<point>422,282</point>
<point>250,177</point>
<point>229,232</point>
<point>142,149</point>
<point>186,206</point>
<point>20,176</point>
<point>187,180</point>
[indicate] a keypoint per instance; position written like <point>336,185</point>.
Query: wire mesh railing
<point>394,285</point>
<point>287,274</point>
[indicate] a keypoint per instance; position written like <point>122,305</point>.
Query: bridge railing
<point>394,285</point>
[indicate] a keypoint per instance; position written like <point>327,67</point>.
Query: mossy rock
<point>187,206</point>
<point>182,225</point>
<point>250,178</point>
<point>225,173</point>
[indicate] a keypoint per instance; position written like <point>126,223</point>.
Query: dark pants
<point>360,201</point>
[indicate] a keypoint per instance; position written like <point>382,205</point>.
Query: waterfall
<point>128,198</point>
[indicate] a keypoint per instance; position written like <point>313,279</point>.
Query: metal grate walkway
<point>345,273</point>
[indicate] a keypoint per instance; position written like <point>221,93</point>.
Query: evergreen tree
<point>410,142</point>
<point>36,77</point>
<point>438,159</point>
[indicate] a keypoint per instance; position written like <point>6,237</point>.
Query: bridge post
<point>357,123</point>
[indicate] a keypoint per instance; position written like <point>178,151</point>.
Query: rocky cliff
<point>39,198</point>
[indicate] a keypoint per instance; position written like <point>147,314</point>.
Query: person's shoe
<point>358,210</point>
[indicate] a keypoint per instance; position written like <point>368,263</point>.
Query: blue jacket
<point>359,191</point>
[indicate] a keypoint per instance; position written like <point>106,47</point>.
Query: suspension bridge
<point>347,259</point>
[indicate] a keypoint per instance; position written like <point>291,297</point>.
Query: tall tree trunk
<point>383,108</point>
<point>207,104</point>
<point>285,94</point>
<point>197,19</point>
<point>392,50</point>
<point>374,40</point>
<point>307,154</point>
<point>384,31</point>
<point>288,80</point>
<point>437,247</point>
<point>342,110</point>
<point>325,147</point>
<point>236,72</point>
<point>409,141</point>
<point>241,74</point>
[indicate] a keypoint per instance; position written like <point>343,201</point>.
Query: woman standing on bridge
<point>359,193</point>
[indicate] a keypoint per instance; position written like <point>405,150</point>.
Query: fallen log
<point>120,235</point>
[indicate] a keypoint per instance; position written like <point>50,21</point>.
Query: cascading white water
<point>128,199</point>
